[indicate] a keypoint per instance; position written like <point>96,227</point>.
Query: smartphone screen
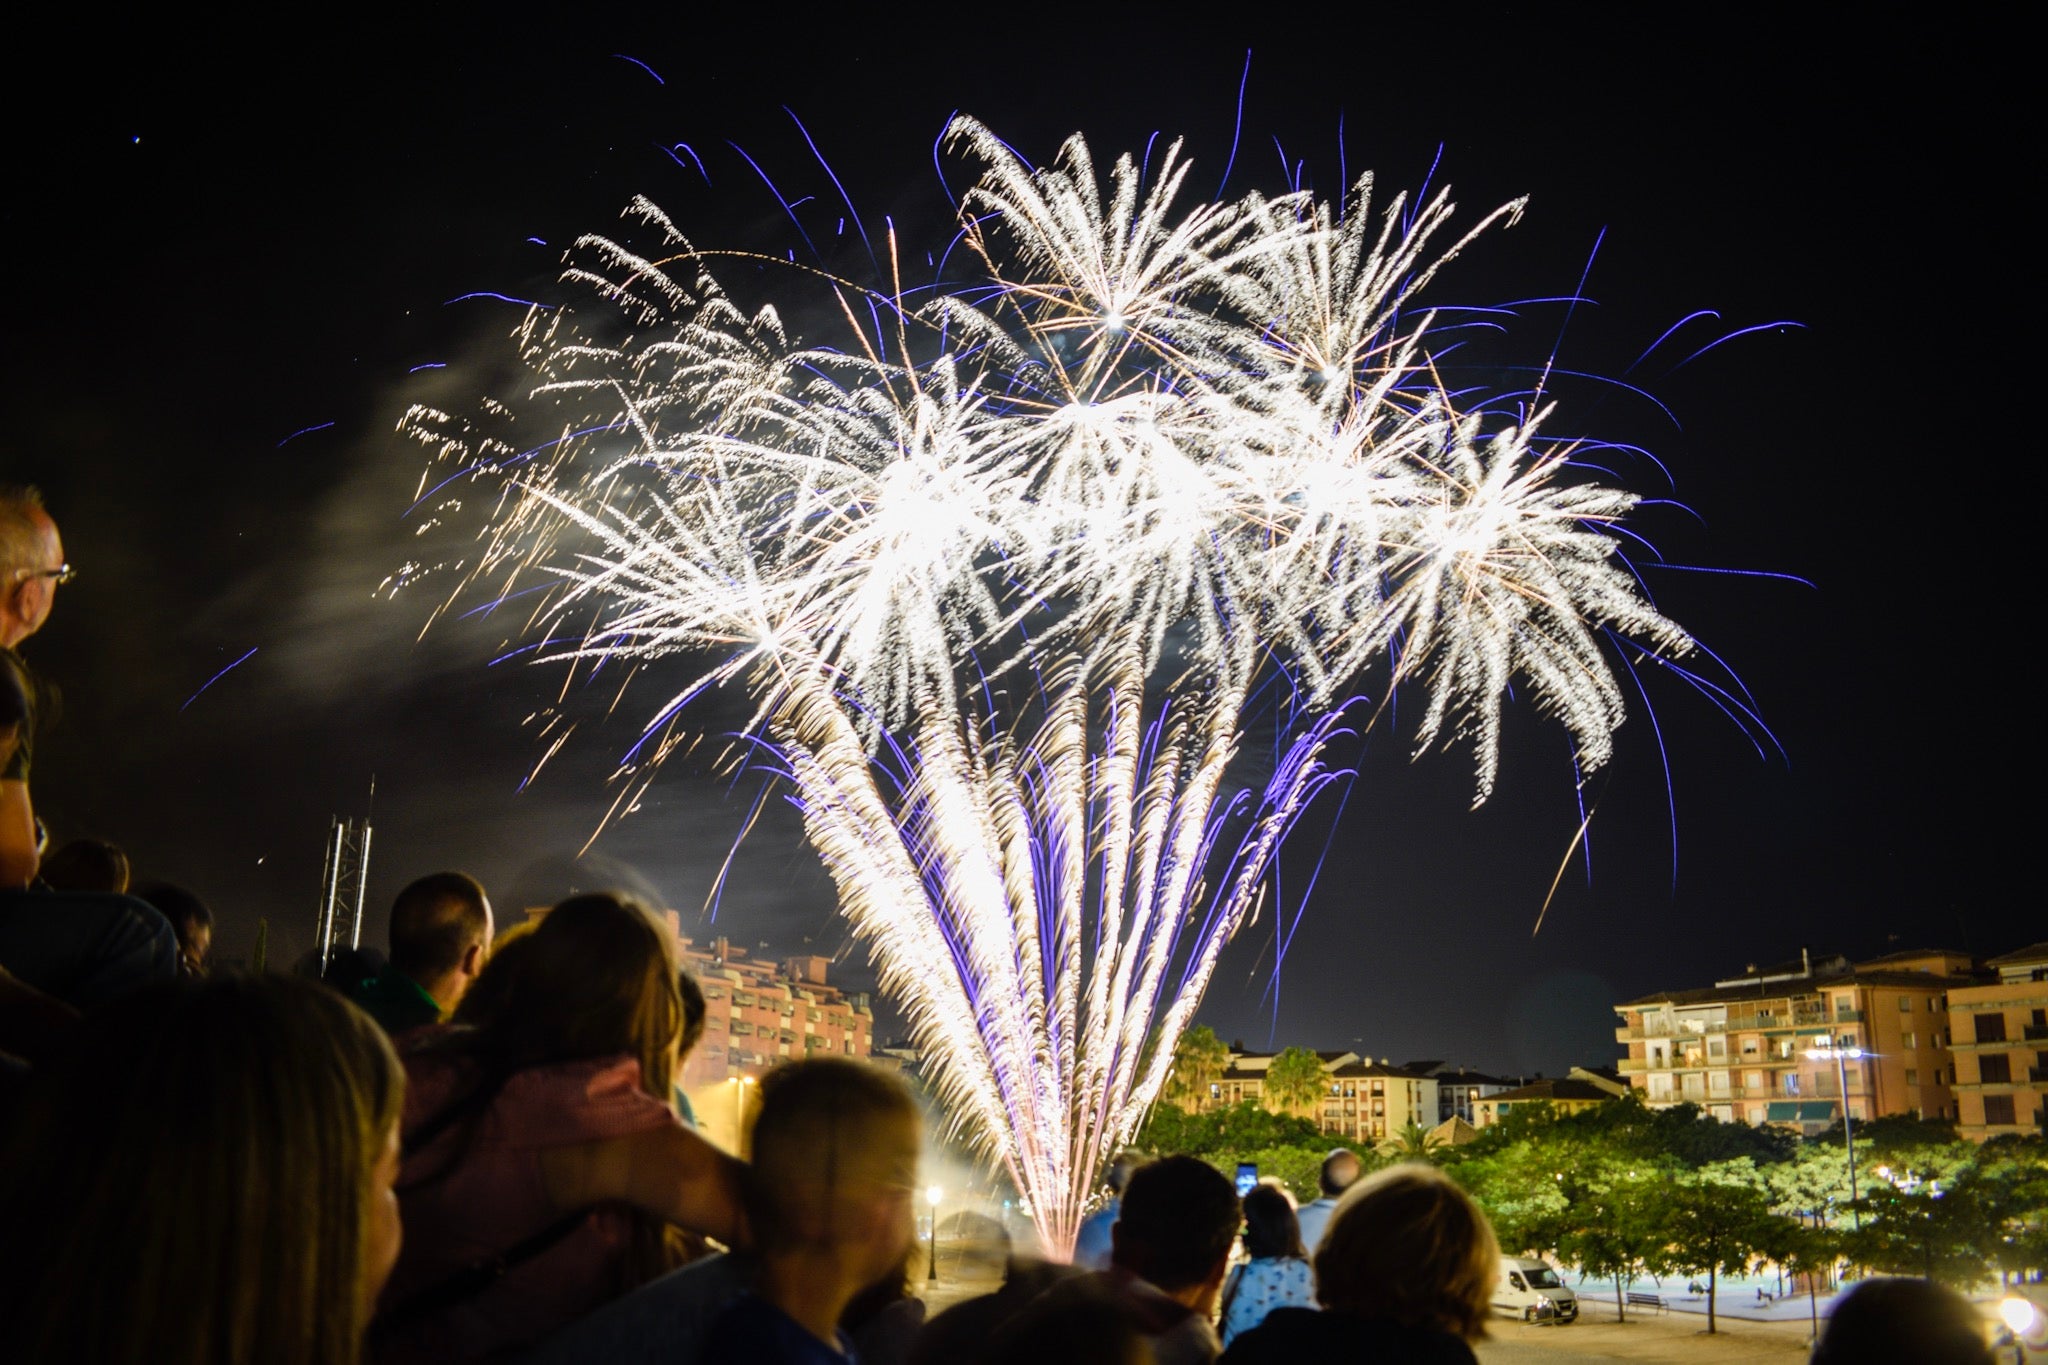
<point>1247,1177</point>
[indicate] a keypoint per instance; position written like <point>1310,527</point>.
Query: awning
<point>1800,1111</point>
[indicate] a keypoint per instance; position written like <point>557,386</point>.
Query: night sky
<point>229,254</point>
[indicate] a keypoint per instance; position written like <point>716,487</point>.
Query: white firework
<point>1003,584</point>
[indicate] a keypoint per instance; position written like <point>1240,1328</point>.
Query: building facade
<point>1774,1045</point>
<point>1568,1094</point>
<point>759,1011</point>
<point>2000,1041</point>
<point>1363,1101</point>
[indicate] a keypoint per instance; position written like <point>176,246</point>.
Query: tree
<point>1198,1061</point>
<point>1612,1231</point>
<point>1412,1143</point>
<point>1242,1127</point>
<point>1295,1080</point>
<point>1716,1218</point>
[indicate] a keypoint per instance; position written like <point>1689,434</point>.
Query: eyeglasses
<point>63,573</point>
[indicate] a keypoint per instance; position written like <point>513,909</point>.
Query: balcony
<point>2035,1033</point>
<point>1848,1016</point>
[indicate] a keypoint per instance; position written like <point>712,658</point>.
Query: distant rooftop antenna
<point>342,881</point>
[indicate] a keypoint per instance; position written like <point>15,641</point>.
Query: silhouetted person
<point>1340,1172</point>
<point>31,566</point>
<point>1902,1322</point>
<point>87,865</point>
<point>190,920</point>
<point>1407,1267</point>
<point>1091,1243</point>
<point>440,935</point>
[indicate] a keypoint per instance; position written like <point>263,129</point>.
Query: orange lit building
<point>1739,1048</point>
<point>2000,1038</point>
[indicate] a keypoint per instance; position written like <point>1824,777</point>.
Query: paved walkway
<point>1673,1339</point>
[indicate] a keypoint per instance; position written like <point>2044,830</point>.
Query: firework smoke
<point>1004,568</point>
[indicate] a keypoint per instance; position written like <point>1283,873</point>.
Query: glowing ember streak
<point>1003,571</point>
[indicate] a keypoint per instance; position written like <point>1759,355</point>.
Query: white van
<point>1532,1291</point>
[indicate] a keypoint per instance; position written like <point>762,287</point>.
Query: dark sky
<point>217,239</point>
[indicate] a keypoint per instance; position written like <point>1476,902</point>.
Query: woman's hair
<point>1407,1245</point>
<point>597,978</point>
<point>1270,1227</point>
<point>191,1179</point>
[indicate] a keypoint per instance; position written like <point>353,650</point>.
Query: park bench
<point>1641,1300</point>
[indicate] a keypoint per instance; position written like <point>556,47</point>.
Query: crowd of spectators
<point>477,1150</point>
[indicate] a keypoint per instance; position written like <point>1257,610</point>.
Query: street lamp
<point>933,1194</point>
<point>1842,1057</point>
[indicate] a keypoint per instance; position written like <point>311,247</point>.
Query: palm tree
<point>1198,1062</point>
<point>1412,1143</point>
<point>1295,1081</point>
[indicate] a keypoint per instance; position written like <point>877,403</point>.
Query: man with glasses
<point>31,566</point>
<point>76,947</point>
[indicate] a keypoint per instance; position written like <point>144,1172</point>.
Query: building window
<point>1791,1082</point>
<point>1994,1069</point>
<point>1991,1028</point>
<point>1905,1004</point>
<point>1998,1109</point>
<point>1909,1040</point>
<point>1912,1076</point>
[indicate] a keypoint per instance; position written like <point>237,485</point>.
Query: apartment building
<point>1567,1094</point>
<point>1363,1101</point>
<point>758,1011</point>
<point>1458,1090</point>
<point>1369,1102</point>
<point>1745,1048</point>
<point>2000,1039</point>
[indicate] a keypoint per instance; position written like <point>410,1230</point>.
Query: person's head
<point>31,563</point>
<point>486,995</point>
<point>1341,1169</point>
<point>1177,1221</point>
<point>1270,1227</point>
<point>203,1171</point>
<point>87,865</point>
<point>1902,1322</point>
<point>692,996</point>
<point>1119,1173</point>
<point>1405,1244</point>
<point>833,1171</point>
<point>190,920</point>
<point>596,978</point>
<point>441,934</point>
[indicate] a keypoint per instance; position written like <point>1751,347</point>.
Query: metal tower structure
<point>346,873</point>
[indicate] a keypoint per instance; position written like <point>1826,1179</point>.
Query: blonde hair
<point>817,1137</point>
<point>1406,1244</point>
<point>192,1180</point>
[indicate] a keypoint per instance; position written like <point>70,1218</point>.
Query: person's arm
<point>668,1171</point>
<point>18,854</point>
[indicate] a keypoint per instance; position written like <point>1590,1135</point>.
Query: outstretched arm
<point>669,1172</point>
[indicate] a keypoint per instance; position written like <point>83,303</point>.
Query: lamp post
<point>933,1194</point>
<point>1842,1056</point>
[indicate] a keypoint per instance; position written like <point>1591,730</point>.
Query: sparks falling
<point>1005,565</point>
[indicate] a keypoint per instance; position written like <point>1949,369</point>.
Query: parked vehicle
<point>1530,1290</point>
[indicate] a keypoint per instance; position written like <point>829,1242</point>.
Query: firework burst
<point>1003,571</point>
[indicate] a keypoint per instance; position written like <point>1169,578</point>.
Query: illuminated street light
<point>1842,1056</point>
<point>933,1194</point>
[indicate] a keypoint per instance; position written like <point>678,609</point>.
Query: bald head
<point>31,563</point>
